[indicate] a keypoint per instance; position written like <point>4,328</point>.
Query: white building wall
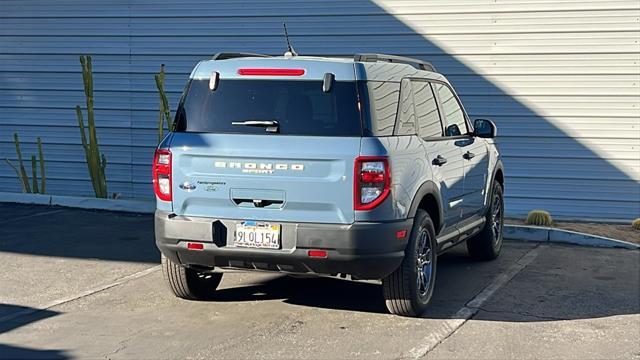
<point>560,78</point>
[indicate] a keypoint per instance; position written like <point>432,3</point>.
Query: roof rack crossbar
<point>417,63</point>
<point>233,55</point>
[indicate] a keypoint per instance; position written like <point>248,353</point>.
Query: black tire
<point>405,293</point>
<point>486,245</point>
<point>187,283</point>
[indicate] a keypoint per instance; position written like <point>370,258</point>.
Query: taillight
<point>372,181</point>
<point>162,174</point>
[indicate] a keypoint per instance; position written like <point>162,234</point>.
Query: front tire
<point>187,283</point>
<point>486,245</point>
<point>408,290</point>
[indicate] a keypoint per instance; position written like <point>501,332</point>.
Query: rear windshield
<point>300,107</point>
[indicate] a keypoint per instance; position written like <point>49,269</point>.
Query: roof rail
<point>233,55</point>
<point>418,64</point>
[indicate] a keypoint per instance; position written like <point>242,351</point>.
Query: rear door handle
<point>468,155</point>
<point>439,161</point>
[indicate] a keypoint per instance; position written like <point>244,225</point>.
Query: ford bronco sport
<point>365,168</point>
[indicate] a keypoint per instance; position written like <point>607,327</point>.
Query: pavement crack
<point>120,348</point>
<point>122,344</point>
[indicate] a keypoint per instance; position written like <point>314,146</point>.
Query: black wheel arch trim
<point>498,167</point>
<point>428,188</point>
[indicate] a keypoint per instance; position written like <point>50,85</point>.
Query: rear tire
<point>187,283</point>
<point>408,290</point>
<point>486,245</point>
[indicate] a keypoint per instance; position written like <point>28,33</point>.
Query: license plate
<point>255,234</point>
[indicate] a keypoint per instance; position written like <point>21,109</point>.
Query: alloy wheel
<point>496,219</point>
<point>424,263</point>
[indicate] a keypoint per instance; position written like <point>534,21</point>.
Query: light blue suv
<point>366,168</point>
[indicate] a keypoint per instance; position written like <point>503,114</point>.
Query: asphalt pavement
<point>86,284</point>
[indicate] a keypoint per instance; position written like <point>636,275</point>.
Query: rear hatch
<point>266,149</point>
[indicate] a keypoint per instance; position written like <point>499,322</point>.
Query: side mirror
<point>452,130</point>
<point>484,128</point>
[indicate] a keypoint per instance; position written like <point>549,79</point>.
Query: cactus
<point>636,224</point>
<point>164,114</point>
<point>43,176</point>
<point>96,162</point>
<point>21,172</point>
<point>539,217</point>
<point>34,175</point>
<point>15,169</point>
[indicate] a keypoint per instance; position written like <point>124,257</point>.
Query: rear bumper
<point>364,250</point>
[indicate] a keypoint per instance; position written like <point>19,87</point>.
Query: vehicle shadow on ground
<point>17,352</point>
<point>459,280</point>
<point>339,294</point>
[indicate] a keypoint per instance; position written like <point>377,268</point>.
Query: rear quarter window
<point>406,118</point>
<point>383,102</point>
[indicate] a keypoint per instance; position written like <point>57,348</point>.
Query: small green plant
<point>96,162</point>
<point>636,224</point>
<point>21,171</point>
<point>164,114</point>
<point>539,218</point>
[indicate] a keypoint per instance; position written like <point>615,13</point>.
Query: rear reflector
<point>195,246</point>
<point>271,72</point>
<point>401,234</point>
<point>317,253</point>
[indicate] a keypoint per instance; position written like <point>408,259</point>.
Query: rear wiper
<point>272,125</point>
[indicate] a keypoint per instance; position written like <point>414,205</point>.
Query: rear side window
<point>452,112</point>
<point>299,106</point>
<point>429,125</point>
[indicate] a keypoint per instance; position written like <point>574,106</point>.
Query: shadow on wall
<point>545,167</point>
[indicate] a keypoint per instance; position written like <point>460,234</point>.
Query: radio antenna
<point>290,50</point>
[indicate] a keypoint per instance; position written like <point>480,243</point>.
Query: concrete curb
<point>551,235</point>
<point>134,206</point>
<point>511,232</point>
<point>35,199</point>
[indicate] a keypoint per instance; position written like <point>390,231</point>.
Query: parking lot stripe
<point>450,326</point>
<point>30,216</point>
<point>80,295</point>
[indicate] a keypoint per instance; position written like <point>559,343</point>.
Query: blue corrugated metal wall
<point>40,80</point>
